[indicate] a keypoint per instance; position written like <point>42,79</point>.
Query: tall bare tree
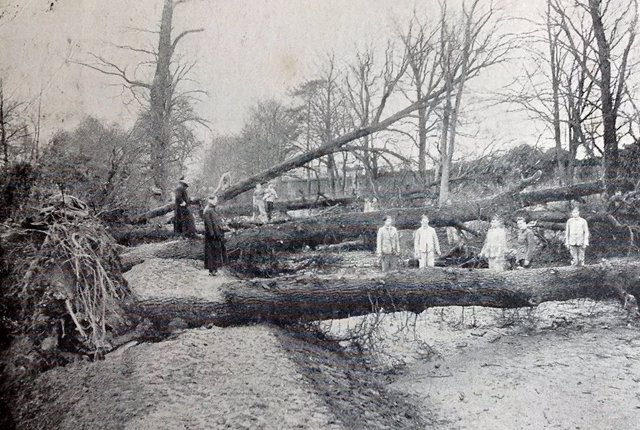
<point>555,88</point>
<point>368,87</point>
<point>469,43</point>
<point>606,64</point>
<point>422,56</point>
<point>167,110</point>
<point>325,105</point>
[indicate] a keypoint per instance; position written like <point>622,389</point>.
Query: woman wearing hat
<point>183,221</point>
<point>215,252</point>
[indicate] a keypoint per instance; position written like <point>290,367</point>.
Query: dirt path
<point>237,378</point>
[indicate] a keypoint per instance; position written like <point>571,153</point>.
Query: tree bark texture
<point>297,299</point>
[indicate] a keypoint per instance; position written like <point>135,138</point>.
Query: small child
<point>388,245</point>
<point>426,244</point>
<point>495,245</point>
<point>269,197</point>
<point>576,237</point>
<point>367,205</point>
<point>374,206</point>
<point>525,244</point>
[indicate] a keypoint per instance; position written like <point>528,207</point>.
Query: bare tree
<point>325,105</point>
<point>167,111</point>
<point>368,87</point>
<point>606,62</point>
<point>468,44</point>
<point>555,68</point>
<point>555,87</point>
<point>422,55</point>
<point>328,103</point>
<point>268,135</point>
<point>12,128</point>
<point>307,92</point>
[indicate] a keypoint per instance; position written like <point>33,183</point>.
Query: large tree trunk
<point>288,205</point>
<point>157,212</point>
<point>527,198</point>
<point>340,227</point>
<point>570,192</point>
<point>320,298</point>
<point>160,94</point>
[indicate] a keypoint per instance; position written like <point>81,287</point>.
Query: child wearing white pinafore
<point>495,245</point>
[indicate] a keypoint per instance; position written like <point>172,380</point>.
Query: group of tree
<point>581,82</point>
<point>347,115</point>
<point>108,165</point>
<point>580,89</point>
<point>425,67</point>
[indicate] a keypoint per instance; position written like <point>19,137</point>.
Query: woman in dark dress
<point>183,221</point>
<point>215,252</point>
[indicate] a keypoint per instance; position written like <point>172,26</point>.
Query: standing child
<point>367,205</point>
<point>388,245</point>
<point>425,244</point>
<point>525,244</point>
<point>270,196</point>
<point>495,245</point>
<point>576,237</point>
<point>259,211</point>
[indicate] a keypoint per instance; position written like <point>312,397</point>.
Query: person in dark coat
<point>183,221</point>
<point>215,252</point>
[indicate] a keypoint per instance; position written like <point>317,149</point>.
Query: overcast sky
<point>250,49</point>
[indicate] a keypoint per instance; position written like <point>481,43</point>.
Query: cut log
<point>133,235</point>
<point>570,192</point>
<point>336,228</point>
<point>320,298</point>
<point>192,249</point>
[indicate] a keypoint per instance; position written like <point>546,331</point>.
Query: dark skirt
<point>184,222</point>
<point>215,253</point>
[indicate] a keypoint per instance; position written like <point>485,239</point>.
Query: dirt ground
<point>569,365</point>
<point>254,377</point>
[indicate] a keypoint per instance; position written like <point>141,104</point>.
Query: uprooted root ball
<point>68,288</point>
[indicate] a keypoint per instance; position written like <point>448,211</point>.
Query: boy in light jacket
<point>495,245</point>
<point>576,237</point>
<point>425,244</point>
<point>388,245</point>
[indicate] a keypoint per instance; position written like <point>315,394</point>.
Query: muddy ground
<point>570,365</point>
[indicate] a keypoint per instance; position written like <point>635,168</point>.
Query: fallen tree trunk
<point>159,211</point>
<point>338,228</point>
<point>289,205</point>
<point>571,192</point>
<point>526,198</point>
<point>299,299</point>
